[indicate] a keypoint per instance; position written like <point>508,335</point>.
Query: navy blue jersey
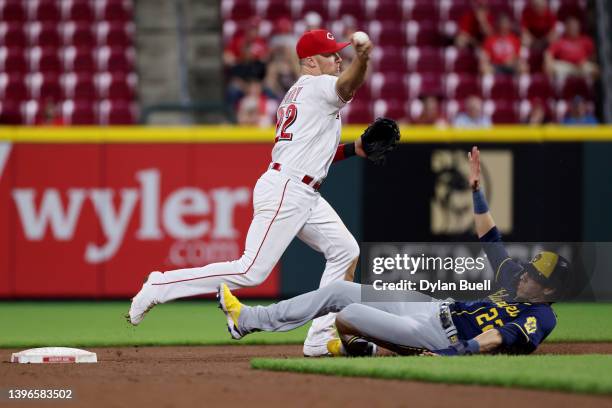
<point>523,326</point>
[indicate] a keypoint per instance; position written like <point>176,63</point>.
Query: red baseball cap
<point>315,42</point>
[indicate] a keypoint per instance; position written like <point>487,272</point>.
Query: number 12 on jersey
<point>285,118</point>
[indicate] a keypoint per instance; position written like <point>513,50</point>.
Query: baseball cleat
<point>355,347</point>
<point>144,301</point>
<point>316,350</point>
<point>231,306</point>
<point>335,348</point>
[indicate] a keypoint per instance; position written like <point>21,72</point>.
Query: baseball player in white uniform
<point>286,200</point>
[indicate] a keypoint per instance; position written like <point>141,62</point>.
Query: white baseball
<point>359,37</point>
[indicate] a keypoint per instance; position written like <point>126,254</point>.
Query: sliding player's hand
<point>474,158</point>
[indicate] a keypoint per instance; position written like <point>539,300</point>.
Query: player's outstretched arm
<point>486,342</point>
<point>482,216</point>
<point>354,76</point>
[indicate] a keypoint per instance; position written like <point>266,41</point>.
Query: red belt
<point>306,179</point>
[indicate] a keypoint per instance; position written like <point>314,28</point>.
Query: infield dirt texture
<point>172,376</point>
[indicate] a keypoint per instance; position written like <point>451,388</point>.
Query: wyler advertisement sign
<point>92,220</point>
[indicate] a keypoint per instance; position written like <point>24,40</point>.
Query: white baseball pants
<point>284,207</point>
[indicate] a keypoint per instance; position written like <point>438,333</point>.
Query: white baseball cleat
<point>144,301</point>
<point>319,350</point>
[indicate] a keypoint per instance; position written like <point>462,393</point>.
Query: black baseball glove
<point>380,138</point>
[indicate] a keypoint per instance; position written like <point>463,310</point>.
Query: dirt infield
<point>211,376</point>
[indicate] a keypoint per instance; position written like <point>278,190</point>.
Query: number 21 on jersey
<point>484,318</point>
<point>286,116</point>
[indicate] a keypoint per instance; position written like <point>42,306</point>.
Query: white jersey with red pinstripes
<point>308,125</point>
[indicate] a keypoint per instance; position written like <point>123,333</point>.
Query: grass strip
<point>580,374</point>
<point>101,324</point>
<point>98,324</point>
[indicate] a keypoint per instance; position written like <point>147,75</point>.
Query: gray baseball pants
<point>411,323</point>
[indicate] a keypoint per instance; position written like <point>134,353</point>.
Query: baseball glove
<point>380,138</point>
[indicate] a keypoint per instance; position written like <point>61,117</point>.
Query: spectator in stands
<point>247,48</point>
<point>281,74</point>
<point>282,35</point>
<point>473,117</point>
<point>255,108</point>
<point>475,25</point>
<point>538,114</point>
<point>572,54</point>
<point>245,57</point>
<point>430,114</point>
<point>51,115</point>
<point>579,114</point>
<point>538,25</point>
<point>501,51</point>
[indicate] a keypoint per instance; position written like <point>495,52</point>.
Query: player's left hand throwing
<point>474,158</point>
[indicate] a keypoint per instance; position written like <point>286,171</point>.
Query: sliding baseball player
<point>515,319</point>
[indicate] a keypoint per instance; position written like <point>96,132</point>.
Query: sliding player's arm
<point>505,269</point>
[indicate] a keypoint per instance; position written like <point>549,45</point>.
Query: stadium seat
<point>80,60</point>
<point>44,87</point>
<point>461,86</point>
<point>391,108</point>
<point>389,86</point>
<point>12,60</point>
<point>79,11</point>
<point>385,10</point>
<point>423,10</point>
<point>116,113</point>
<point>12,11</point>
<point>45,60</point>
<point>425,60</point>
<point>453,10</point>
<point>364,94</point>
<point>535,60</point>
<point>338,9</point>
<point>570,8</point>
<point>78,112</point>
<point>318,6</point>
<point>576,86</point>
<point>423,34</point>
<point>12,35</point>
<point>450,14</point>
<point>115,59</point>
<point>424,84</point>
<point>115,86</point>
<point>43,11</point>
<point>460,61</point>
<point>78,35</point>
<point>389,59</point>
<point>10,113</point>
<point>237,10</point>
<point>114,34</point>
<point>43,34</point>
<point>503,112</point>
<point>535,86</point>
<point>114,11</point>
<point>12,88</point>
<point>499,87</point>
<point>274,9</point>
<point>390,33</point>
<point>78,86</point>
<point>526,106</point>
<point>500,7</point>
<point>357,112</point>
